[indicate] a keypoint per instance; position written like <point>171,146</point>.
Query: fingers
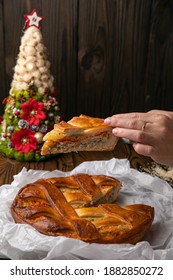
<point>134,135</point>
<point>160,112</point>
<point>150,133</point>
<point>144,128</point>
<point>129,121</point>
<point>161,116</point>
<point>137,120</point>
<point>145,150</point>
<point>159,155</point>
<point>131,124</point>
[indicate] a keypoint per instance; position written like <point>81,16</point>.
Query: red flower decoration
<point>24,141</point>
<point>4,102</point>
<point>1,119</point>
<point>33,112</point>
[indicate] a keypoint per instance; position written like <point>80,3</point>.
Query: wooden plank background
<point>107,56</point>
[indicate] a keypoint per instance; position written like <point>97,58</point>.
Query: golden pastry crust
<point>81,133</point>
<point>79,190</point>
<point>66,206</point>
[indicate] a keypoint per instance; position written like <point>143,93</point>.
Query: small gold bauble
<point>39,137</point>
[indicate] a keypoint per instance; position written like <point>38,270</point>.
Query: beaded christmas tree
<point>31,109</point>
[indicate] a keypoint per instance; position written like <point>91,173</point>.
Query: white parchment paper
<point>24,242</point>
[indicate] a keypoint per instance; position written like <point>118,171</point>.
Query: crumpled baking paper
<point>19,241</point>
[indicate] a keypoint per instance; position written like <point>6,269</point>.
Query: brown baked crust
<point>59,207</point>
<point>81,133</point>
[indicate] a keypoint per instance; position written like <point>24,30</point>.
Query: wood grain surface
<point>107,56</point>
<point>67,162</point>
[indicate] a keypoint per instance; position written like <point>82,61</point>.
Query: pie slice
<point>81,133</point>
<point>70,207</point>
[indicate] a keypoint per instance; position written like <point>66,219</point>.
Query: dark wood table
<point>66,162</point>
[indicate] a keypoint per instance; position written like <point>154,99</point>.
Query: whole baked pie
<point>81,206</point>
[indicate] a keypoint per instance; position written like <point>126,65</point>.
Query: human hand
<point>151,133</point>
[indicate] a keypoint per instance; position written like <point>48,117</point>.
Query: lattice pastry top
<point>63,207</point>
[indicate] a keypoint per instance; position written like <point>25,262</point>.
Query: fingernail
<point>107,121</point>
<point>115,131</point>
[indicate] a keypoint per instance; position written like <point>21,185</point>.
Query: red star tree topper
<point>32,20</point>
